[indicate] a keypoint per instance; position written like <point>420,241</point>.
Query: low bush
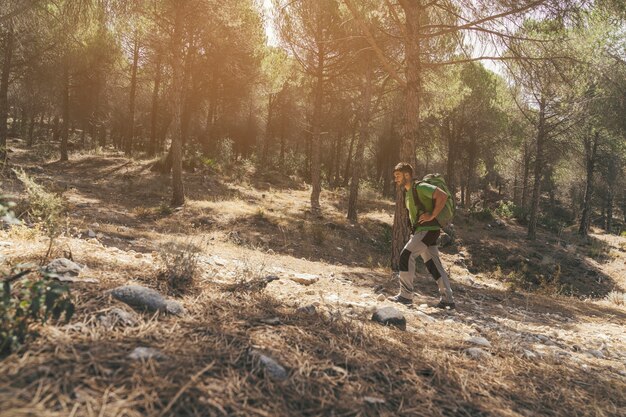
<point>180,266</point>
<point>484,214</point>
<point>26,302</point>
<point>42,207</point>
<point>505,209</point>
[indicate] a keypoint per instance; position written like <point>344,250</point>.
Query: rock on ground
<point>445,240</point>
<point>390,316</point>
<point>145,353</point>
<point>308,309</point>
<point>63,266</point>
<point>272,368</point>
<point>117,316</point>
<point>480,341</point>
<point>305,279</point>
<point>142,298</point>
<point>476,353</point>
<point>425,317</point>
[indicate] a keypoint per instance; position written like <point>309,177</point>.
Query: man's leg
<point>435,267</point>
<point>414,247</point>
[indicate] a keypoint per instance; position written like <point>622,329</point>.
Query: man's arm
<point>439,199</point>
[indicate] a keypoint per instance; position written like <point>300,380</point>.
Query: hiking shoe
<point>400,299</point>
<point>444,305</point>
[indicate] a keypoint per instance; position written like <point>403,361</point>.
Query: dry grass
<point>339,362</point>
<point>333,365</point>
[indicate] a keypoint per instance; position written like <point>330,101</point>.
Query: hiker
<point>426,229</point>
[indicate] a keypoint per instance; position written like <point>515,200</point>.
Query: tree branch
<point>370,39</point>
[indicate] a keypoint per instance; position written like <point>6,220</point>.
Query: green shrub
<point>484,214</point>
<point>25,303</point>
<point>505,209</point>
<point>550,223</point>
<point>165,209</point>
<point>42,207</point>
<point>210,163</point>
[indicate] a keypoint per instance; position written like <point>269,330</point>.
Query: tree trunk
<point>469,176</point>
<point>541,137</point>
<point>411,121</point>
<point>360,146</point>
<point>282,141</point>
<point>450,175</point>
<point>591,147</point>
<point>316,139</point>
<point>31,130</point>
<point>66,108</point>
<point>155,109</point>
<point>268,130</point>
<point>526,176</point>
<point>128,145</point>
<point>4,89</point>
<point>178,191</point>
<point>347,171</point>
<point>613,173</point>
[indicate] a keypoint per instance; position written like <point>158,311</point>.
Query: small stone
<point>381,297</point>
<point>545,339</point>
<point>389,316</point>
<point>91,233</point>
<point>271,278</point>
<point>373,400</point>
<point>480,341</point>
<point>273,321</point>
<point>272,368</point>
<point>143,298</point>
<point>425,317</point>
<point>445,240</point>
<point>332,298</point>
<point>595,353</point>
<point>145,353</point>
<point>309,309</point>
<point>305,279</point>
<point>476,353</point>
<point>117,316</point>
<point>216,260</point>
<point>63,267</point>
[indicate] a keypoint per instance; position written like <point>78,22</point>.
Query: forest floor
<point>503,352</point>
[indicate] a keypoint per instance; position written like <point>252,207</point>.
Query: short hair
<point>404,167</point>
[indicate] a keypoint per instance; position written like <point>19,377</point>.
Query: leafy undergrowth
<point>338,361</point>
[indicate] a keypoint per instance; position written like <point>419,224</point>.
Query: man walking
<point>423,215</point>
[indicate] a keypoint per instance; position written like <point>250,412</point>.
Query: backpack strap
<point>416,199</point>
<point>418,203</point>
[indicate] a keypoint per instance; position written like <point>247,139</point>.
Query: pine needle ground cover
<point>547,354</point>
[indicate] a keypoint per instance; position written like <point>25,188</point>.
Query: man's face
<point>400,178</point>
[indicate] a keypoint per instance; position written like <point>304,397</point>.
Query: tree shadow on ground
<point>546,263</point>
<point>335,367</point>
<point>478,300</point>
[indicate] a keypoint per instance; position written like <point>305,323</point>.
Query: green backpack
<point>447,213</point>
